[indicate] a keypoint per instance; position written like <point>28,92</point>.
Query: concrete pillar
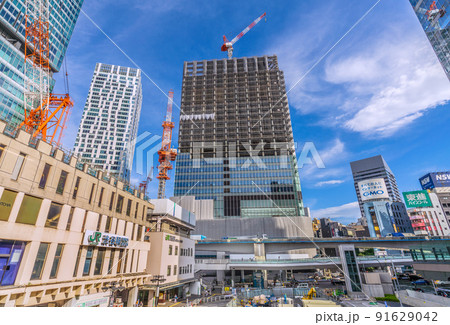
<point>220,276</point>
<point>132,296</point>
<point>259,251</point>
<point>242,276</point>
<point>264,275</point>
<point>232,277</point>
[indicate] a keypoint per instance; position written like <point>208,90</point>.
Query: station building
<point>69,234</point>
<point>172,254</point>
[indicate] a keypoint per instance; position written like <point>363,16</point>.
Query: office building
<point>383,216</point>
<point>235,139</point>
<point>371,168</point>
<point>379,218</point>
<point>426,213</point>
<point>69,234</point>
<point>62,18</point>
<point>434,17</point>
<point>401,218</point>
<point>110,119</point>
<point>172,254</point>
<point>439,183</point>
<point>331,228</point>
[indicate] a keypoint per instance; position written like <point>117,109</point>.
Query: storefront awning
<point>168,285</point>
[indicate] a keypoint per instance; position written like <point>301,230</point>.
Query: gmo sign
<point>373,189</point>
<point>379,192</point>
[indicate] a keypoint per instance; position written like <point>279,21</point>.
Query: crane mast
<point>45,114</point>
<point>166,154</point>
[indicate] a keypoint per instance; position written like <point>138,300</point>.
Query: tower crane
<point>228,46</point>
<point>143,185</point>
<point>45,113</point>
<point>434,12</point>
<point>166,154</point>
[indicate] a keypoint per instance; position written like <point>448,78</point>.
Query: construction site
<point>227,224</point>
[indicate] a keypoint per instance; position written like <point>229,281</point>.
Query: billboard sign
<point>100,239</point>
<point>417,199</point>
<point>373,189</point>
<point>432,180</point>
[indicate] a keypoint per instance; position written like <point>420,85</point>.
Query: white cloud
<point>373,82</point>
<point>345,213</point>
<point>330,182</point>
<point>397,82</point>
<point>332,154</point>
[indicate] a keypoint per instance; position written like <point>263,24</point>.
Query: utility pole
<point>158,279</point>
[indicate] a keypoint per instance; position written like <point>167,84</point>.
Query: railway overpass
<point>295,264</point>
<point>429,255</point>
<point>262,246</point>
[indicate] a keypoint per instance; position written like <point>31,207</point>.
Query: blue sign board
<point>432,180</point>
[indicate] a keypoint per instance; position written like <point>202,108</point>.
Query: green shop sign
<point>417,199</point>
<point>101,239</point>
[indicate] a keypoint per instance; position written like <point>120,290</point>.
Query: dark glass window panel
<point>44,176</point>
<point>53,216</point>
<point>88,261</point>
<point>40,261</point>
<point>56,261</point>
<point>99,261</point>
<point>62,182</point>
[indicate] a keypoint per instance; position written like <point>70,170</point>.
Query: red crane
<point>228,46</point>
<point>434,12</point>
<point>143,185</point>
<point>166,154</point>
<point>45,113</point>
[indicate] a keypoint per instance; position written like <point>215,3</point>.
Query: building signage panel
<point>101,239</point>
<point>6,204</point>
<point>172,238</point>
<point>417,199</point>
<point>373,189</point>
<point>432,180</point>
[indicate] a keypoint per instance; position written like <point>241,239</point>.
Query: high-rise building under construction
<point>235,139</point>
<point>62,16</point>
<point>110,119</point>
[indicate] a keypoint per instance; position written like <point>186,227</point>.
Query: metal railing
<point>294,261</point>
<point>277,292</point>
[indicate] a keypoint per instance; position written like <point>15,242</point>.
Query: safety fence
<point>277,292</point>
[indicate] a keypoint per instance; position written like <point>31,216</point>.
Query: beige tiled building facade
<point>67,232</point>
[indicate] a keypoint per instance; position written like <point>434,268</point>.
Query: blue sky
<point>380,90</point>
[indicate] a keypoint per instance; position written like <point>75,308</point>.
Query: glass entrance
<point>10,256</point>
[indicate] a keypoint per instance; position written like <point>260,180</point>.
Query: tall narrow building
<point>379,198</point>
<point>62,18</point>
<point>110,119</point>
<point>373,168</point>
<point>235,139</point>
<point>434,17</point>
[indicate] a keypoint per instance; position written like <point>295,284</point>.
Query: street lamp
<point>158,279</point>
<point>113,286</point>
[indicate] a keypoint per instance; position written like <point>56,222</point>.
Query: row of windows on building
<point>120,266</point>
<point>194,176</point>
<point>30,207</point>
<point>183,251</point>
<point>62,183</point>
<point>183,269</point>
